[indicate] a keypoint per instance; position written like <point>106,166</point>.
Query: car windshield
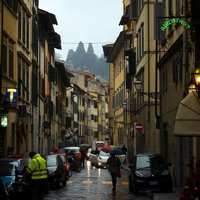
<point>102,153</point>
<point>149,161</point>
<point>51,161</point>
<point>8,168</point>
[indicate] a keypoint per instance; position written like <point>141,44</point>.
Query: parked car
<point>56,169</point>
<point>7,170</point>
<point>149,172</point>
<point>65,161</point>
<point>99,158</point>
<point>8,167</point>
<point>77,151</point>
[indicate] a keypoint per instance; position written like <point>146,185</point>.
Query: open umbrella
<point>116,151</point>
<point>85,145</point>
<point>108,148</point>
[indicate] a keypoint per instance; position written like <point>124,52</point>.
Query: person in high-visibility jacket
<point>37,169</point>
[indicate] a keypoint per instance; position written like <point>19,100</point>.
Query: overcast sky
<point>89,21</point>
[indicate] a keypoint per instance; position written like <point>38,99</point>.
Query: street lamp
<point>196,79</point>
<point>138,87</point>
<point>192,87</point>
<point>124,105</point>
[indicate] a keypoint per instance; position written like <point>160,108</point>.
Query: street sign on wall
<point>138,126</point>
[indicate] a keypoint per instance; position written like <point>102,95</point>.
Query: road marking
<point>103,182</point>
<point>124,183</point>
<point>107,182</point>
<point>69,182</point>
<point>87,182</point>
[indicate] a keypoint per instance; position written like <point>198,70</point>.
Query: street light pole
<point>125,126</point>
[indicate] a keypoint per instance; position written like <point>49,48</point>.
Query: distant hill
<point>88,61</point>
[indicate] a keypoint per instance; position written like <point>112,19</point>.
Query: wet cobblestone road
<point>94,184</point>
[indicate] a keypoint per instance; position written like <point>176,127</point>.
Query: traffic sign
<point>138,126</point>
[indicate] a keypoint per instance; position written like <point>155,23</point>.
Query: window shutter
<point>68,122</point>
<point>132,63</point>
<point>195,7</point>
<point>159,10</point>
<point>52,73</point>
<point>128,81</point>
<point>134,10</point>
<point>51,108</point>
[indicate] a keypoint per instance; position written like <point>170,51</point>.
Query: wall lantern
<point>124,105</point>
<point>196,79</point>
<point>192,87</point>
<point>138,87</point>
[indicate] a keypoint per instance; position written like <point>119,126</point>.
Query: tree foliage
<point>88,60</point>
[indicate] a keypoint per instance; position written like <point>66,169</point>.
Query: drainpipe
<point>149,112</point>
<point>1,67</point>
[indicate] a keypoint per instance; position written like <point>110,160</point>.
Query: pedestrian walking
<point>37,169</point>
<point>113,166</point>
<point>124,150</point>
<point>82,157</point>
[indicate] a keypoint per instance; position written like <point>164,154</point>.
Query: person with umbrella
<point>113,165</point>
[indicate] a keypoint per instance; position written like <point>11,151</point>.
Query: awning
<point>187,121</point>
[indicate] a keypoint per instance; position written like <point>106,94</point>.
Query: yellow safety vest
<point>37,168</point>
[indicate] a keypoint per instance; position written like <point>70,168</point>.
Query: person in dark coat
<point>113,163</point>
<point>124,150</point>
<point>82,157</point>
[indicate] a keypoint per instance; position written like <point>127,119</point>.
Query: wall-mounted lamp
<point>192,86</point>
<point>138,87</point>
<point>124,105</point>
<point>196,81</point>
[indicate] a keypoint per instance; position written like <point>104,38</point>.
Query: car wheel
<point>64,183</point>
<point>130,185</point>
<point>169,188</point>
<point>136,189</point>
<point>58,182</point>
<point>78,168</point>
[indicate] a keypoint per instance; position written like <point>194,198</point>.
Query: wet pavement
<point>95,184</point>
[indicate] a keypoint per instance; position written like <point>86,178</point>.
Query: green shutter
<point>132,63</point>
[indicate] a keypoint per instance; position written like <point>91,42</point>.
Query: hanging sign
<point>175,20</point>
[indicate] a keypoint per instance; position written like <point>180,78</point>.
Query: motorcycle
<point>74,164</point>
<point>20,189</point>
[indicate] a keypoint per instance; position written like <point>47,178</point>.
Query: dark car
<point>65,161</point>
<point>149,172</point>
<point>56,169</point>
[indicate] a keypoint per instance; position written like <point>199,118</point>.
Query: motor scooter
<point>20,189</point>
<point>73,164</point>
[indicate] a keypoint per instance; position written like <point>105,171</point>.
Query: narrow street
<point>95,184</point>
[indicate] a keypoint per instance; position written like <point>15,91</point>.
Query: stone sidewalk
<point>160,196</point>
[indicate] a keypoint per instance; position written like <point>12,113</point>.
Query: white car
<point>100,159</point>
